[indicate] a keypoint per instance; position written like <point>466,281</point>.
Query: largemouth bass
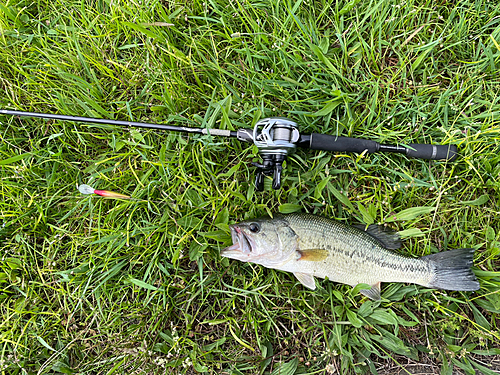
<point>313,246</point>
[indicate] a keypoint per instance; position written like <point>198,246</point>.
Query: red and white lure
<point>86,189</point>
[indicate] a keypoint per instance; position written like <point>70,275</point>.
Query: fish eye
<point>254,227</point>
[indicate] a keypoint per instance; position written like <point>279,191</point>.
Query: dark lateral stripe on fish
<point>379,261</point>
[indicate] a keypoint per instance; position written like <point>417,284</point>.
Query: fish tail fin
<point>452,270</point>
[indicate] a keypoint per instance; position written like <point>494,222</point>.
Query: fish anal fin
<point>306,279</point>
<point>386,236</point>
<point>373,293</point>
<point>312,255</point>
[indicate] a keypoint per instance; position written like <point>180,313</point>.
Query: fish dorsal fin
<point>373,293</point>
<point>312,255</point>
<point>306,279</point>
<point>387,237</point>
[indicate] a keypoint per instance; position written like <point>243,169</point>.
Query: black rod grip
<point>432,152</point>
<point>342,144</point>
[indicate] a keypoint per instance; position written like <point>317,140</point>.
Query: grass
<point>96,286</point>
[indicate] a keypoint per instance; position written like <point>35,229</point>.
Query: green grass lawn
<point>90,285</point>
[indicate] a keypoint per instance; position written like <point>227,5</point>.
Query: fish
<point>313,246</point>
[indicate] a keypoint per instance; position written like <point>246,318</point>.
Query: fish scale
<point>354,256</point>
<point>313,246</point>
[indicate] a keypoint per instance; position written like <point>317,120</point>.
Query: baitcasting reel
<point>275,137</point>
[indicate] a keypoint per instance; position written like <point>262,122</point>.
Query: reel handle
<point>259,181</point>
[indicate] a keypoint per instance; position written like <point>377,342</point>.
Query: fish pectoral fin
<point>387,237</point>
<point>373,293</point>
<point>312,255</point>
<point>306,279</point>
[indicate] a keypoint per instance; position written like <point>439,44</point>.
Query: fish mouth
<point>242,244</point>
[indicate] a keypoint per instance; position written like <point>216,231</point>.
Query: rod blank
<point>184,129</point>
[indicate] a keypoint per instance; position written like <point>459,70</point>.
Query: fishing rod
<point>275,138</point>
